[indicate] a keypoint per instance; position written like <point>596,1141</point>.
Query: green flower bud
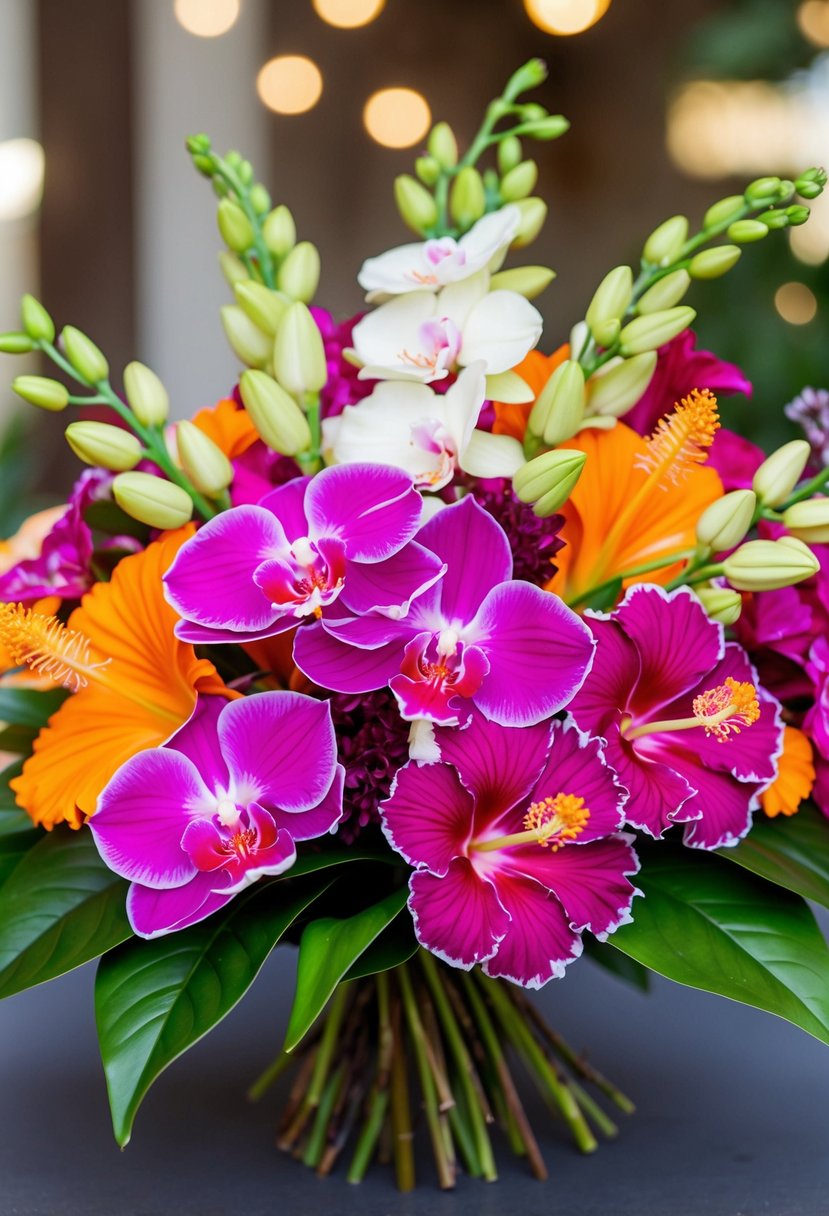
<point>607,332</point>
<point>205,165</point>
<point>664,244</point>
<point>234,225</point>
<point>418,210</point>
<point>442,146</point>
<point>427,169</point>
<point>41,391</point>
<point>279,231</point>
<point>548,479</point>
<point>299,274</point>
<point>36,320</point>
<point>510,154</point>
<point>260,200</point>
<point>665,293</point>
<point>797,215</point>
<point>779,473</point>
<point>528,281</point>
<point>206,465</point>
<point>263,306</point>
<point>146,394</point>
<point>519,182</point>
<point>612,393</point>
<point>721,603</point>
<point>809,520</point>
<point>610,298</point>
<point>105,446</point>
<point>776,218</point>
<point>725,522</point>
<point>233,268</point>
<point>532,112</point>
<point>87,360</point>
<point>529,76</point>
<point>197,143</point>
<point>723,210</point>
<point>276,416</point>
<point>245,172</point>
<point>657,328</point>
<point>785,192</point>
<point>246,339</point>
<point>298,353</point>
<point>559,408</point>
<point>15,344</point>
<point>152,501</point>
<point>746,231</point>
<point>811,177</point>
<point>533,214</point>
<point>712,263</point>
<point>550,127</point>
<point>762,192</point>
<point>766,565</point>
<point>467,198</point>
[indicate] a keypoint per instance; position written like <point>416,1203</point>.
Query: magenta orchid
<point>476,637</point>
<point>515,847</point>
<point>193,823</point>
<point>346,532</point>
<point>692,736</point>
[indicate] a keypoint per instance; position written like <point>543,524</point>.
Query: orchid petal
<point>455,535</point>
<point>341,668</point>
<point>373,509</point>
<point>492,455</point>
<point>319,819</point>
<point>501,329</point>
<point>382,338</point>
<point>457,301</point>
<point>461,405</point>
<point>458,917</point>
<point>198,740</point>
<point>155,913</point>
<point>388,587</point>
<point>203,635</point>
<point>287,503</point>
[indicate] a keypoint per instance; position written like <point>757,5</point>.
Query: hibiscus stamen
<point>46,646</point>
<point>550,822</point>
<point>722,711</point>
<point>682,438</point>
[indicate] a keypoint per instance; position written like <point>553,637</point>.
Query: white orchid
<point>431,265</point>
<point>428,434</point>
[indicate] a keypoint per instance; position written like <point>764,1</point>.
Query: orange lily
<point>229,426</point>
<point>536,369</point>
<point>795,776</point>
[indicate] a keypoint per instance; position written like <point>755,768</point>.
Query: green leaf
<point>18,739</point>
<point>13,819</point>
<point>13,848</point>
<point>328,948</point>
<point>395,945</point>
<point>59,907</point>
<point>618,964</point>
<point>309,863</point>
<point>154,999</point>
<point>26,707</point>
<point>794,853</point>
<point>711,926</point>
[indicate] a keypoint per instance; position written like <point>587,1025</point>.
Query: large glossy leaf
<point>710,925</point>
<point>28,707</point>
<point>59,907</point>
<point>794,853</point>
<point>329,947</point>
<point>155,999</point>
<point>618,964</point>
<point>395,945</point>
<point>12,818</point>
<point>309,862</point>
<point>13,848</point>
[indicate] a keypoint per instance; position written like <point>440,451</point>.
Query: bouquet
<point>441,657</point>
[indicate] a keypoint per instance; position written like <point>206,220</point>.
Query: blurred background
<point>672,105</point>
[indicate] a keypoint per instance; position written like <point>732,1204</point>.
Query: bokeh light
<point>206,18</point>
<point>289,84</point>
<point>813,19</point>
<point>810,241</point>
<point>348,14</point>
<point>565,17</point>
<point>21,177</point>
<point>397,118</point>
<point>796,303</point>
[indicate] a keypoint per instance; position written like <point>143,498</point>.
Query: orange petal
<point>536,369</point>
<point>795,776</point>
<point>229,426</point>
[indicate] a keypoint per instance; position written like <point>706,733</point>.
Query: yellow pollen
<point>726,709</point>
<point>563,817</point>
<point>46,646</point>
<point>682,438</point>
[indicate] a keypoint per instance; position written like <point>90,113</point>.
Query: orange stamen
<point>550,822</point>
<point>46,646</point>
<point>722,712</point>
<point>682,438</point>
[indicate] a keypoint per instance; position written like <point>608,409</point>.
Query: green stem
<point>593,1111</point>
<point>658,563</point>
<point>702,575</point>
<point>328,1042</point>
<point>316,1141</point>
<point>369,1135</point>
<point>401,1120</point>
<point>427,1084</point>
<point>264,258</point>
<point>270,1075</point>
<point>818,482</point>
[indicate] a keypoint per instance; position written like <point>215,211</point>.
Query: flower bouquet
<point>442,658</point>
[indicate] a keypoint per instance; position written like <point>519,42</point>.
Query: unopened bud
<point>206,465</point>
<point>279,231</point>
<point>612,393</point>
<point>260,200</point>
<point>36,320</point>
<point>548,480</point>
<point>151,500</point>
<point>779,473</point>
<point>532,111</point>
<point>146,394</point>
<point>519,182</point>
<point>234,225</point>
<point>263,306</point>
<point>610,299</point>
<point>15,344</point>
<point>766,565</point>
<point>654,330</point>
<point>725,522</point>
<point>418,210</point>
<point>550,127</point>
<point>427,170</point>
<point>299,274</point>
<point>605,333</point>
<point>665,293</point>
<point>776,218</point>
<point>527,281</point>
<point>529,76</point>
<point>559,409</point>
<point>246,339</point>
<point>277,417</point>
<point>746,231</point>
<point>533,214</point>
<point>87,360</point>
<point>797,215</point>
<point>509,154</point>
<point>811,183</point>
<point>233,268</point>
<point>725,209</point>
<point>467,197</point>
<point>298,353</point>
<point>442,145</point>
<point>722,604</point>
<point>105,446</point>
<point>664,244</point>
<point>809,520</point>
<point>762,192</point>
<point>713,263</point>
<point>41,391</point>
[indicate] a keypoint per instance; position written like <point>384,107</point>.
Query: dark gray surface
<point>731,1122</point>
